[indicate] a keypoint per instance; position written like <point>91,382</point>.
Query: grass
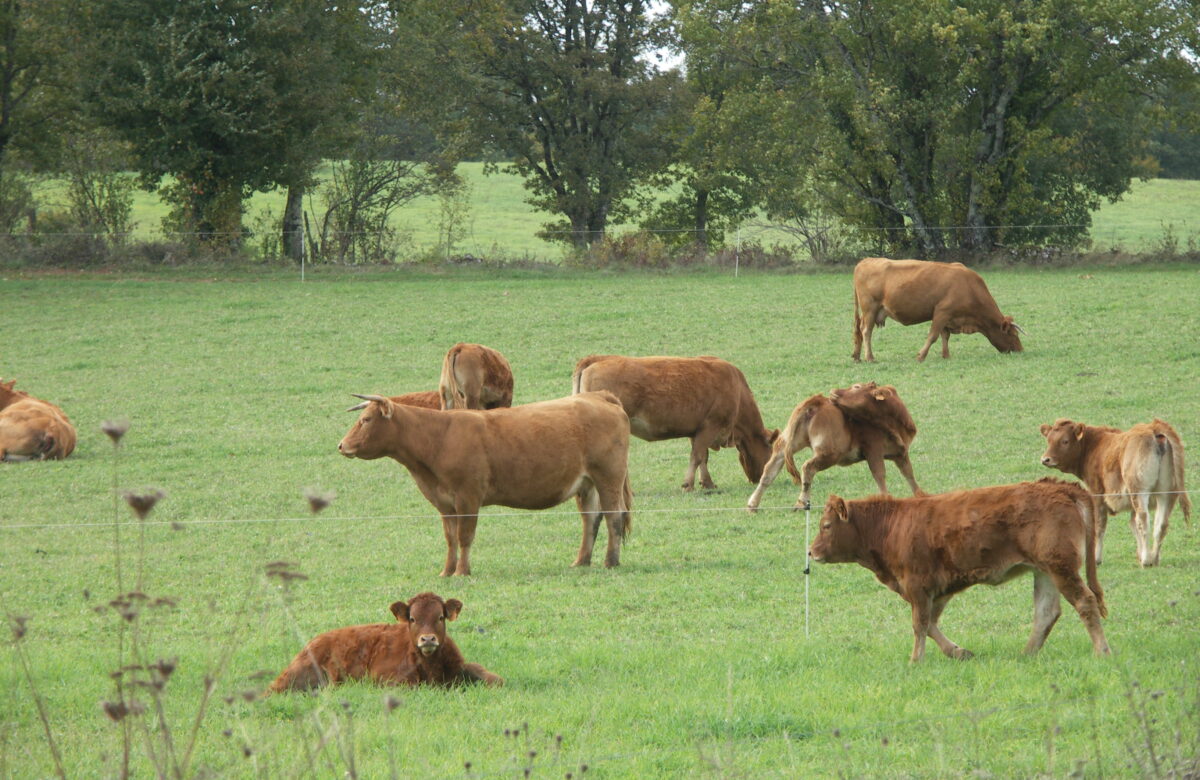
<point>690,659</point>
<point>499,223</point>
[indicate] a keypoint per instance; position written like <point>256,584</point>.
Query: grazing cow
<point>863,422</point>
<point>475,377</point>
<point>950,296</point>
<point>929,548</point>
<point>704,398</point>
<point>412,651</point>
<point>32,429</point>
<point>529,457</point>
<point>1124,470</point>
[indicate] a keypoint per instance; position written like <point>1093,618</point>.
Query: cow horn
<point>1019,329</point>
<point>366,399</point>
<point>357,407</point>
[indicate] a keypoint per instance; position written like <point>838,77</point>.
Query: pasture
<point>693,658</point>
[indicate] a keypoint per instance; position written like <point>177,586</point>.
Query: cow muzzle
<point>346,450</point>
<point>1048,461</point>
<point>427,644</point>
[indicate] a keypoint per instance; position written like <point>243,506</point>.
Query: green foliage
<point>693,657</point>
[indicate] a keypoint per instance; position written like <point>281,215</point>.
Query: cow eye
<point>412,620</point>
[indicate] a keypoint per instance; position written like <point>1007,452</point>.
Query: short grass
<point>1157,214</point>
<point>695,657</point>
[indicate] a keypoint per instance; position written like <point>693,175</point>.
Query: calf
<point>703,398</point>
<point>529,457</point>
<point>32,429</point>
<point>929,548</point>
<point>863,422</point>
<point>1124,470</point>
<point>414,650</point>
<point>475,377</point>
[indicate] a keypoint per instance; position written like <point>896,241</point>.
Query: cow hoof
<point>802,506</point>
<point>752,508</point>
<point>962,654</point>
<point>582,563</point>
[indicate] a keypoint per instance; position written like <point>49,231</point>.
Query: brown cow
<point>475,377</point>
<point>1124,470</point>
<point>703,398</point>
<point>949,295</point>
<point>412,651</point>
<point>529,457</point>
<point>426,399</point>
<point>929,548</point>
<point>864,422</point>
<point>32,429</point>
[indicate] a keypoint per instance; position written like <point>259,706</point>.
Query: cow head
<point>426,615</point>
<point>367,438</point>
<point>754,450</point>
<point>837,539</point>
<point>1064,445</point>
<point>1006,338</point>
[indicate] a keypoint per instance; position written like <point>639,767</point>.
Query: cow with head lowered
<point>866,421</point>
<point>949,296</point>
<point>32,429</point>
<point>1131,469</point>
<point>705,399</point>
<point>929,548</point>
<point>414,650</point>
<point>534,456</point>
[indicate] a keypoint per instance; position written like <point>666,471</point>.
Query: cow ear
<point>1078,428</point>
<point>385,408</point>
<point>838,507</point>
<point>1045,429</point>
<point>773,437</point>
<point>400,610</point>
<point>880,396</point>
<point>453,607</point>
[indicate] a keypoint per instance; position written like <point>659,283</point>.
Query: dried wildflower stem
<point>37,699</point>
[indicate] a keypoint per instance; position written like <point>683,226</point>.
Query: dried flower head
<point>284,571</point>
<point>115,429</point>
<point>317,499</point>
<point>18,626</point>
<point>143,503</point>
<point>118,711</point>
<point>390,702</point>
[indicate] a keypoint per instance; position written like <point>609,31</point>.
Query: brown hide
<point>475,377</point>
<point>426,399</point>
<point>413,651</point>
<point>863,422</point>
<point>534,456</point>
<point>32,429</point>
<point>950,296</point>
<point>930,548</point>
<point>1127,470</point>
<point>705,399</point>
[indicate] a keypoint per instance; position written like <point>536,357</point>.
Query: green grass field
<point>499,224</point>
<point>693,658</point>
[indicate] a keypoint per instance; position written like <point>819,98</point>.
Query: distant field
<point>500,223</point>
<point>707,653</point>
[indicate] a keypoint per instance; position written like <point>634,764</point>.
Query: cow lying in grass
<point>414,650</point>
<point>863,422</point>
<point>930,548</point>
<point>32,429</point>
<point>534,456</point>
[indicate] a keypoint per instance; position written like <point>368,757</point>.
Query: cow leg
<point>699,460</point>
<point>1101,527</point>
<point>770,472</point>
<point>1046,609</point>
<point>818,462</point>
<point>466,535</point>
<point>922,619</point>
<point>935,632</point>
<point>866,326</point>
<point>589,509</point>
<point>450,529</point>
<point>1163,504</point>
<point>1139,518</point>
<point>1081,597</point>
<point>612,502</point>
<point>935,329</point>
<point>875,464</point>
<point>945,343</point>
<point>905,466</point>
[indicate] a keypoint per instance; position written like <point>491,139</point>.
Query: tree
<point>565,88</point>
<point>226,96</point>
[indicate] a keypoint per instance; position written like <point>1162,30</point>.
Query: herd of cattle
<point>467,447</point>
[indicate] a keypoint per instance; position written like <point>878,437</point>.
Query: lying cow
<point>704,398</point>
<point>414,650</point>
<point>426,399</point>
<point>864,422</point>
<point>927,549</point>
<point>32,429</point>
<point>950,296</point>
<point>1125,470</point>
<point>529,457</point>
<point>475,377</point>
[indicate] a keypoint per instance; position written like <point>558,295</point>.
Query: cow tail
<point>1091,513</point>
<point>448,387</point>
<point>857,320</point>
<point>627,494</point>
<point>576,377</point>
<point>1185,503</point>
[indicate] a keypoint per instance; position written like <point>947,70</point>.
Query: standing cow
<point>863,422</point>
<point>1125,470</point>
<point>529,457</point>
<point>930,548</point>
<point>32,429</point>
<point>475,377</point>
<point>703,398</point>
<point>950,296</point>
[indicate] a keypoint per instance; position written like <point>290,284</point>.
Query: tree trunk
<point>293,224</point>
<point>702,219</point>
